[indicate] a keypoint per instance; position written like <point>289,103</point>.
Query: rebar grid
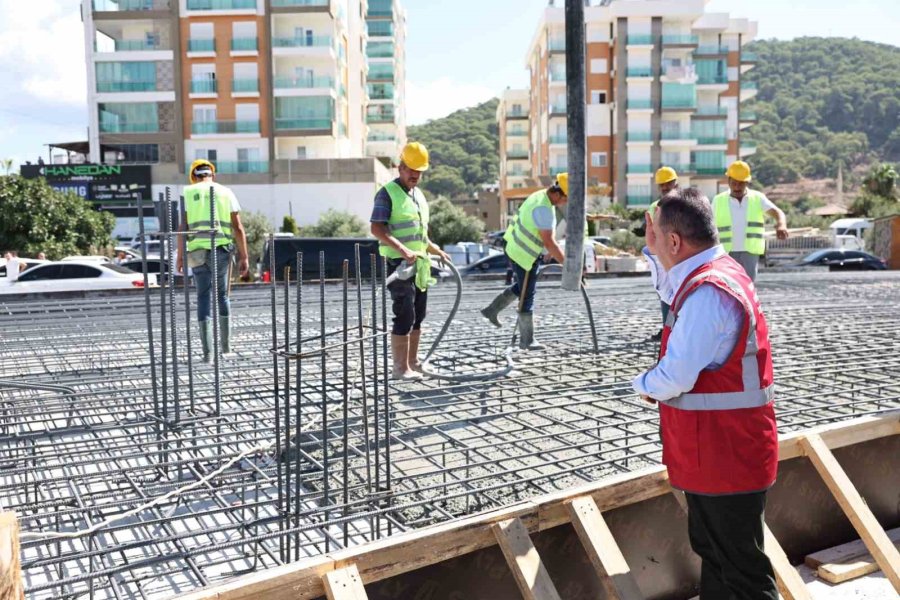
<point>91,439</point>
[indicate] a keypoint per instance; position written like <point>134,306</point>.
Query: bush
<point>289,225</point>
<point>257,228</point>
<point>449,224</point>
<point>337,224</point>
<point>627,241</point>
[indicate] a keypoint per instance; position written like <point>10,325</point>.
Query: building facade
<point>244,83</point>
<point>663,86</point>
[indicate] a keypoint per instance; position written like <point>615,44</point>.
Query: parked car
<point>838,259</point>
<point>155,266</point>
<point>29,262</point>
<point>496,263</point>
<point>69,276</point>
<point>90,259</point>
<point>602,239</point>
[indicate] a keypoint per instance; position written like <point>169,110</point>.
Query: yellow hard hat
<point>415,156</point>
<point>739,171</point>
<point>200,162</point>
<point>665,175</point>
<point>562,180</point>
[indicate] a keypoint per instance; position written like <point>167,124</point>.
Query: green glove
<point>424,280</point>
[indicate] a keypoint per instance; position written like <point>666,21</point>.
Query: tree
<point>37,218</point>
<point>449,224</point>
<point>257,228</point>
<point>881,180</point>
<point>337,224</point>
<point>289,225</point>
<point>7,164</point>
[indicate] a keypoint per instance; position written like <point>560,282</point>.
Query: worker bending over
<point>526,238</point>
<point>400,222</point>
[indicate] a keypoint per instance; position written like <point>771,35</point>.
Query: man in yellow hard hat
<point>526,238</point>
<point>230,233</point>
<point>740,218</point>
<point>400,222</point>
<point>666,181</point>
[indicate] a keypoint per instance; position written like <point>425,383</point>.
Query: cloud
<point>440,97</point>
<point>42,52</point>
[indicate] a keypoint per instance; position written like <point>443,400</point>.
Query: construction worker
<point>526,237</point>
<point>740,218</point>
<point>713,384</point>
<point>230,233</point>
<point>400,222</point>
<point>666,181</point>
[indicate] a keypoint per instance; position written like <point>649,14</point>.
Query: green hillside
<point>463,147</point>
<point>823,101</point>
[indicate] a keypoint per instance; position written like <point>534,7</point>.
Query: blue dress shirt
<point>706,332</point>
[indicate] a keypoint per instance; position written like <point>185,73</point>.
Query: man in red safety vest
<point>714,386</point>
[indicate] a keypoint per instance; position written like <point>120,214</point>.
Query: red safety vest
<point>721,437</point>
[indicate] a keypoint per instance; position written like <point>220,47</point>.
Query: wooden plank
<point>853,505</point>
<point>11,587</point>
<point>344,584</point>
<point>842,433</point>
<point>852,565</point>
<point>845,552</point>
<point>787,578</point>
<point>603,550</point>
<point>523,559</point>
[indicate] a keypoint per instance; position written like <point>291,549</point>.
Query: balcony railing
<point>558,170</point>
<point>292,3</point>
<point>386,117</point>
<point>558,109</point>
<point>711,50</point>
<point>122,5</point>
<point>710,169</point>
<point>557,75</point>
<point>680,40</point>
<point>641,103</point>
<point>387,52</point>
<point>639,72</point>
<point>245,85</point>
<point>748,115</point>
<point>516,133</point>
<point>517,114</point>
<point>380,29</point>
<point>676,134</point>
<point>557,45</point>
<point>712,79</point>
<point>708,140</point>
<point>517,154</point>
<point>220,127</point>
<point>559,139</point>
<point>244,44</point>
<point>748,57</point>
<point>639,199</point>
<point>639,136</point>
<point>382,95</point>
<point>381,137</point>
<point>380,74</point>
<point>303,82</point>
<point>748,148</point>
<point>202,45</point>
<point>749,85</point>
<point>712,111</point>
<point>304,123</point>
<point>518,173</point>
<point>221,4</point>
<point>319,41</point>
<point>682,168</point>
<point>203,86</point>
<point>639,168</point>
<point>239,166</point>
<point>679,103</point>
<point>132,127</point>
<point>126,86</point>
<point>135,45</point>
<point>641,40</point>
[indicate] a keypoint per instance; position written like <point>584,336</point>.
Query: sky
<point>459,54</point>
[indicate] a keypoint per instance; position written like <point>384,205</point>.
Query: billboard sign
<point>105,185</point>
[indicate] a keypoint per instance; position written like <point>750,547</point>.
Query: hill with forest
<point>823,102</point>
<point>464,149</point>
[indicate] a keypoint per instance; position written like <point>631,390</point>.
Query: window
<point>301,152</point>
<point>598,97</point>
<point>76,272</point>
<point>134,153</point>
<point>40,273</point>
<point>128,117</point>
<point>204,113</point>
<point>247,112</point>
<point>126,76</point>
<point>598,159</point>
<point>210,155</point>
<point>598,65</point>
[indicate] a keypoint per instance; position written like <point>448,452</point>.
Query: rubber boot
<point>225,336</point>
<point>206,340</point>
<point>414,337</point>
<point>400,353</point>
<point>526,333</point>
<point>492,312</point>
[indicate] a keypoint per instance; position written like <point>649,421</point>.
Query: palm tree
<point>881,180</point>
<point>7,164</point>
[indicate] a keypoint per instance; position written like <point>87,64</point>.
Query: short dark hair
<point>688,213</point>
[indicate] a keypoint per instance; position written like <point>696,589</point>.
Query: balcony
<point>380,117</point>
<point>298,3</point>
<point>557,170</point>
<point>679,103</point>
<point>245,86</point>
<point>676,134</point>
<point>712,111</point>
<point>558,109</point>
<point>236,167</point>
<point>706,139</point>
<point>748,148</point>
<point>556,45</point>
<point>712,80</point>
<point>639,40</point>
<point>749,57</point>
<point>135,46</point>
<point>639,168</point>
<point>376,136</point>
<point>639,199</point>
<point>244,44</point>
<point>680,40</point>
<point>516,133</point>
<point>639,72</point>
<point>379,28</point>
<point>559,139</point>
<point>304,123</point>
<point>642,103</point>
<point>639,136</point>
<point>684,74</point>
<point>289,83</point>
<point>129,5</point>
<point>518,173</point>
<point>203,86</point>
<point>711,50</point>
<point>749,115</point>
<point>386,51</point>
<point>517,154</point>
<point>202,45</point>
<point>707,168</point>
<point>517,114</point>
<point>749,85</point>
<point>224,127</point>
<point>312,41</point>
<point>558,76</point>
<point>132,127</point>
<point>113,87</point>
<point>380,8</point>
<point>221,4</point>
<point>380,72</point>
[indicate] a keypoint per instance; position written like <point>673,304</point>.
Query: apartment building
<point>516,174</point>
<point>663,86</point>
<point>386,78</point>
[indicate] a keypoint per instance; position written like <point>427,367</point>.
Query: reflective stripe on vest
<point>754,238</point>
<point>752,396</point>
<point>197,210</point>
<point>408,222</point>
<point>523,241</point>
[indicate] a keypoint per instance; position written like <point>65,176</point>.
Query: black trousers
<point>727,533</point>
<point>409,302</point>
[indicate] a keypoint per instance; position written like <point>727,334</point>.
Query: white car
<point>74,276</point>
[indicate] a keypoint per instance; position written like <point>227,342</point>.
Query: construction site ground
<point>88,434</point>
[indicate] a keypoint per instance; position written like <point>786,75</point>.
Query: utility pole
<point>575,80</point>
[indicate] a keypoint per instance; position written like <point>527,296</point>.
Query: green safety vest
<point>523,238</point>
<point>754,242</point>
<point>196,202</point>
<point>408,222</point>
